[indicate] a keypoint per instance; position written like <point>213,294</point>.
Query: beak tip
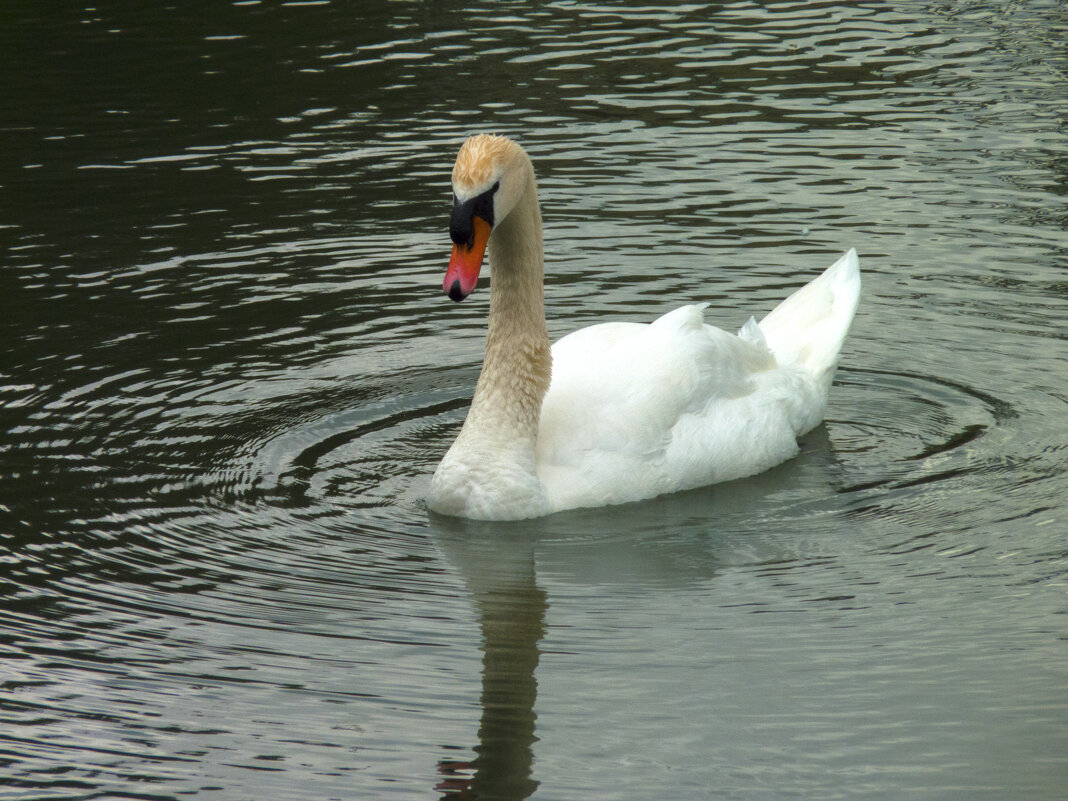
<point>455,291</point>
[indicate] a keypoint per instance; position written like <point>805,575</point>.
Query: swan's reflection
<point>669,542</point>
<point>498,568</point>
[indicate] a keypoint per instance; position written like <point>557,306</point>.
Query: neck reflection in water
<point>498,569</point>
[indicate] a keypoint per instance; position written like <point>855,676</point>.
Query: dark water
<point>228,370</point>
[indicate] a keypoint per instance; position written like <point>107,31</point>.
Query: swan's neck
<point>518,365</point>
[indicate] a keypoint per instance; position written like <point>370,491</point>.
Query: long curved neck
<point>518,365</point>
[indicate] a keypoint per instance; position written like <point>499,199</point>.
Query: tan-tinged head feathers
<point>480,162</point>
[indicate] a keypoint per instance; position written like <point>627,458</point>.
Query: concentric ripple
<point>911,429</point>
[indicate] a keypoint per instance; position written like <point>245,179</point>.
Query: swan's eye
<point>461,227</point>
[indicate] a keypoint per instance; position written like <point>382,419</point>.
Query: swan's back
<point>635,411</point>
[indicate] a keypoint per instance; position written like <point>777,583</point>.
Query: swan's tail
<point>810,325</point>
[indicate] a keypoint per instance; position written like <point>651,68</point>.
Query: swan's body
<point>619,411</point>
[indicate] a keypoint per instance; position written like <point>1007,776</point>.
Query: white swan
<point>619,411</point>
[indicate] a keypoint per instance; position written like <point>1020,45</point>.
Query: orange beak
<point>466,261</point>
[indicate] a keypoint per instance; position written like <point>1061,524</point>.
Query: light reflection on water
<point>229,372</point>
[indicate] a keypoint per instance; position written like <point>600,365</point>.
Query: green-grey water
<point>228,371</point>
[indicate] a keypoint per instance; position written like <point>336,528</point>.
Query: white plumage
<point>631,411</point>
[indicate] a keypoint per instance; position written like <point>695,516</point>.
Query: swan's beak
<point>466,261</point>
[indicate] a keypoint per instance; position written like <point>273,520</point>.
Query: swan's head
<point>489,177</point>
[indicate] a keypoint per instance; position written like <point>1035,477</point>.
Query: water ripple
<point>229,372</point>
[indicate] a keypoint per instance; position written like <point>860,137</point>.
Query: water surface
<point>228,371</point>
